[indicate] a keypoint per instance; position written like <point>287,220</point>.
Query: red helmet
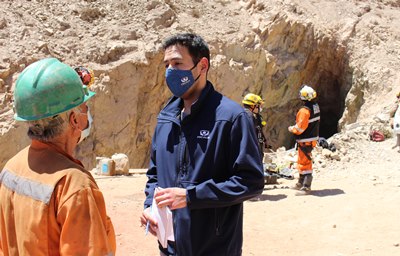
<point>86,75</point>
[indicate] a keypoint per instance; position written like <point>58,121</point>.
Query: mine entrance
<point>330,102</point>
<point>326,70</point>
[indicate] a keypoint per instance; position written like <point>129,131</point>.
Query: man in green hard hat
<point>49,203</point>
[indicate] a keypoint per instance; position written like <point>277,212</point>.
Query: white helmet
<point>307,93</point>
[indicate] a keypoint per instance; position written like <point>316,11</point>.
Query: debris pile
<point>118,164</point>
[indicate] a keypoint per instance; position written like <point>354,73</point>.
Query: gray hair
<point>49,128</point>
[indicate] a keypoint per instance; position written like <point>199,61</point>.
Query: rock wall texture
<point>347,50</point>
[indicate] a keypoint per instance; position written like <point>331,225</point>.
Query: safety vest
<point>312,131</point>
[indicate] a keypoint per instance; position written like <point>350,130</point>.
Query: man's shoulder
<point>74,183</point>
<point>229,104</point>
<point>78,178</point>
<point>305,109</point>
<point>229,108</point>
<point>49,171</point>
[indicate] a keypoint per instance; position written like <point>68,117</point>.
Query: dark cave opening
<point>330,102</point>
<point>330,79</point>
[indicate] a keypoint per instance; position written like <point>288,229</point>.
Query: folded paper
<point>163,216</point>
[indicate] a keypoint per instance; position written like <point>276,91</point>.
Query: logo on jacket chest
<point>203,134</point>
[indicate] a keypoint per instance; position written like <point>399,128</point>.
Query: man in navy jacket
<point>204,157</point>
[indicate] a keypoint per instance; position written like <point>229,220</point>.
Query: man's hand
<point>175,198</point>
<point>290,128</point>
<point>146,217</point>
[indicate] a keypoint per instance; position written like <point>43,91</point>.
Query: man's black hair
<point>196,46</point>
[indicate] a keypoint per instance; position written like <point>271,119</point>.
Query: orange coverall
<point>304,164</point>
<point>50,205</point>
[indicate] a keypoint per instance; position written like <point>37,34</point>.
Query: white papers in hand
<point>163,216</point>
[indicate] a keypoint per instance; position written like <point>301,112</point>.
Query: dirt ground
<point>353,210</point>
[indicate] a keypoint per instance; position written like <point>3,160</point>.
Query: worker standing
<point>306,131</point>
<point>49,203</point>
<point>203,162</point>
<point>252,103</point>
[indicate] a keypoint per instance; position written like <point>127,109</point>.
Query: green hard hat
<point>46,88</point>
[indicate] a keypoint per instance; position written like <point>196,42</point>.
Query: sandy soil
<point>353,210</point>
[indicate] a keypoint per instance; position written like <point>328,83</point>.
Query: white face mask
<point>85,133</point>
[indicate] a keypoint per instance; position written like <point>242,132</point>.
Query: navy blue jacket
<point>213,153</point>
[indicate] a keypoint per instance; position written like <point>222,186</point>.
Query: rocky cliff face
<point>347,50</point>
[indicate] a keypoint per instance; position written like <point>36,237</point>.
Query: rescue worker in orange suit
<point>49,203</point>
<point>306,131</point>
<point>252,104</point>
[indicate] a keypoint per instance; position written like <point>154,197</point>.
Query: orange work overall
<point>306,131</point>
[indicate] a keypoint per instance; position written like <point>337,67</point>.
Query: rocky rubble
<point>351,145</point>
<point>348,50</point>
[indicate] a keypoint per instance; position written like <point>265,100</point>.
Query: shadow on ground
<point>327,192</point>
<point>268,197</point>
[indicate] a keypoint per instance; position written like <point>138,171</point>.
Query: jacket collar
<point>208,89</point>
<point>174,106</point>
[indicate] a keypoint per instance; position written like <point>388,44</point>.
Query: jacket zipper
<point>217,224</point>
<point>185,159</point>
<point>180,160</point>
<point>182,147</point>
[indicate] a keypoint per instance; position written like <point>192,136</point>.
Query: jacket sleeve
<point>244,161</point>
<point>151,175</point>
<point>302,117</point>
<point>85,227</point>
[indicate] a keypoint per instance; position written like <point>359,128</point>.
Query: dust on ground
<point>353,210</point>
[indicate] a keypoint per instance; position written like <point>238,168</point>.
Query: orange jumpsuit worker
<point>306,131</point>
<point>49,203</point>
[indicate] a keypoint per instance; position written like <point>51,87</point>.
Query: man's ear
<point>204,64</point>
<point>73,121</point>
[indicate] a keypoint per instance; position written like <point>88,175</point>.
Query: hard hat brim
<point>85,99</point>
